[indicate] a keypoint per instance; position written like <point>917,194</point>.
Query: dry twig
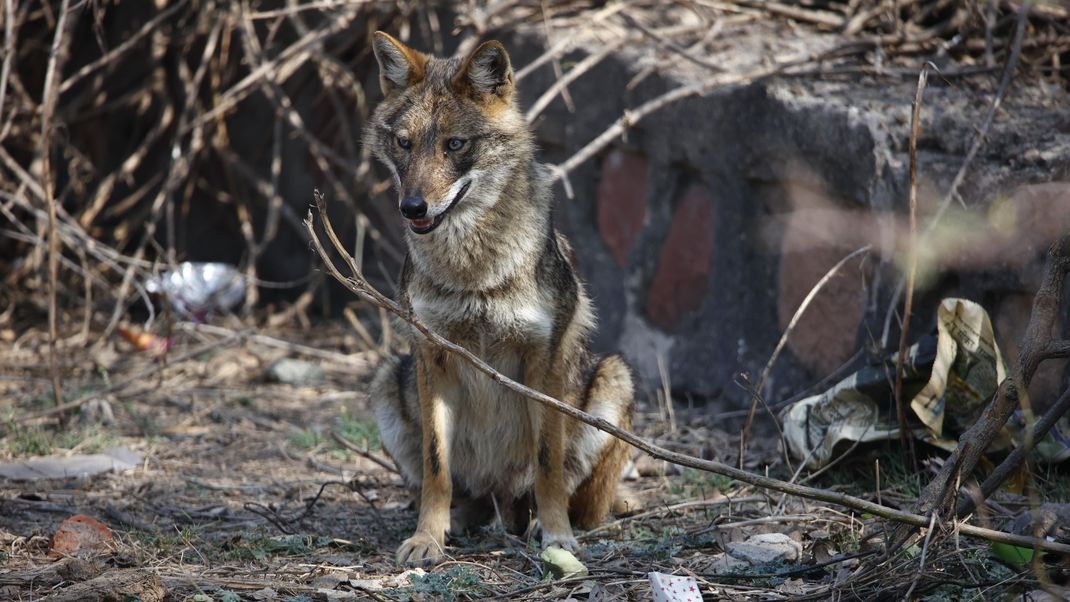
<point>906,442</point>
<point>757,395</point>
<point>50,95</point>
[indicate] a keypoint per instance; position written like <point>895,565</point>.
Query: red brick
<point>683,272</point>
<point>622,202</point>
<point>825,336</point>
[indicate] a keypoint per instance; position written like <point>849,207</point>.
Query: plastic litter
<point>196,290</point>
<point>674,588</point>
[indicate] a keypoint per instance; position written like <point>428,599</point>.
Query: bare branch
<point>49,97</point>
<point>1057,349</point>
<point>938,494</point>
<point>128,44</point>
<point>784,341</point>
<point>1017,455</point>
<point>359,285</point>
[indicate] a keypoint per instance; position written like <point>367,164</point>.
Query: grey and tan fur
<point>487,270</point>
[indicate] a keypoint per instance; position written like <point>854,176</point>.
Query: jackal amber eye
<point>454,144</point>
<point>404,142</point>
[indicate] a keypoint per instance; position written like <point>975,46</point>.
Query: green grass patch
<point>1053,483</point>
<point>40,441</point>
<point>364,433</point>
<point>31,441</point>
<point>445,586</point>
<point>306,439</point>
<point>361,433</point>
<point>699,483</point>
<point>260,547</point>
<point>167,543</point>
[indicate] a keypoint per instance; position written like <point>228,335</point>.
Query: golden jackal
<point>486,269</point>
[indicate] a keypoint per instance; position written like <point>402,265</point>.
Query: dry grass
<point>232,460</point>
<point>197,122</point>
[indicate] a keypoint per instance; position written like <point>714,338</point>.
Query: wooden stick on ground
<point>359,285</point>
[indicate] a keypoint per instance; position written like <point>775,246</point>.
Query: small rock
<point>115,459</point>
<point>328,581</point>
<point>265,594</point>
<point>765,548</point>
<point>82,536</point>
<point>297,373</point>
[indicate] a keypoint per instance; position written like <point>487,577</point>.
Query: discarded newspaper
<point>949,379</point>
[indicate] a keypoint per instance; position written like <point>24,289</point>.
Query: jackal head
<point>449,130</point>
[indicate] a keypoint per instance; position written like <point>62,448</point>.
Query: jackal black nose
<point>413,207</point>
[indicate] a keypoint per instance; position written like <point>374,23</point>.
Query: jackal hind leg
<point>596,459</point>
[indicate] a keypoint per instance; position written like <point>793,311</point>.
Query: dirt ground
<point>243,492</point>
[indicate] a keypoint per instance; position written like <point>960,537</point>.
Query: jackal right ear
<point>399,65</point>
<point>487,71</point>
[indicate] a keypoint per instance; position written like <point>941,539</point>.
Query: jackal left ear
<point>399,65</point>
<point>486,71</point>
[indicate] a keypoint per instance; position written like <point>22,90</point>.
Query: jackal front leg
<point>551,493</point>
<point>426,544</point>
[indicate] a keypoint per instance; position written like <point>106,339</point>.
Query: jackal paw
<point>420,549</point>
<point>565,541</point>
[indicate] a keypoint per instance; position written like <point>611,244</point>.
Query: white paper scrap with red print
<point>673,588</point>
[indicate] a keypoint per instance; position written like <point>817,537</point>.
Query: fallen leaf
<point>145,341</point>
<point>1014,555</point>
<point>561,563</point>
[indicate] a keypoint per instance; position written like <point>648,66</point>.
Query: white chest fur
<point>524,318</point>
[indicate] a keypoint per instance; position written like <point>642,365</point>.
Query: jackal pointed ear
<point>399,65</point>
<point>486,71</point>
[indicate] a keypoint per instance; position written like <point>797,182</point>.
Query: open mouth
<point>425,226</point>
